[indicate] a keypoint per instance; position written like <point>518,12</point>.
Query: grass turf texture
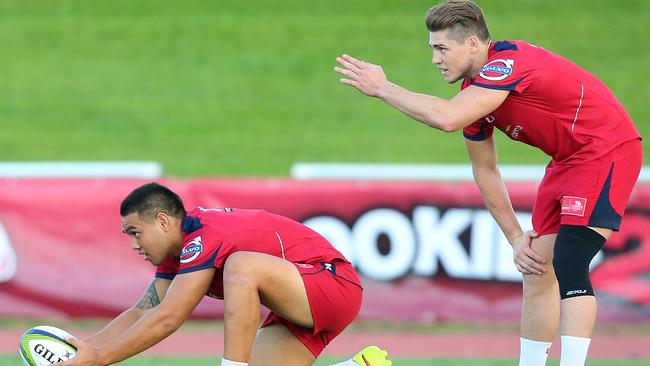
<point>247,88</point>
<point>10,360</point>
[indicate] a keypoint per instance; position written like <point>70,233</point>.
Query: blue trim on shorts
<point>604,215</point>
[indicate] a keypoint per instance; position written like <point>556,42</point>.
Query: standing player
<point>247,258</point>
<point>546,101</point>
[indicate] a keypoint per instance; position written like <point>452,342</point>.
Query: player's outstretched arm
<point>152,296</point>
<point>446,115</point>
<point>183,295</point>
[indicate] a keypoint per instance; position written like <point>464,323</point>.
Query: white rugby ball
<point>45,345</point>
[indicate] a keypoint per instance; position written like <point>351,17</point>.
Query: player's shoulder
<point>201,223</point>
<point>509,59</point>
<point>512,48</point>
<point>507,45</point>
<point>202,218</point>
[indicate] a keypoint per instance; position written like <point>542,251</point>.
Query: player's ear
<point>164,221</point>
<point>473,43</point>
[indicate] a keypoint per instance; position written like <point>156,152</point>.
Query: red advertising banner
<point>425,250</point>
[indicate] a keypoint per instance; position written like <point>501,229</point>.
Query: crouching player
<point>247,258</point>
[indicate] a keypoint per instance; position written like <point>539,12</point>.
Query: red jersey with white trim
<point>210,236</point>
<point>553,104</point>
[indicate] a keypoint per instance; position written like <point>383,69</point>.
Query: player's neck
<point>480,59</point>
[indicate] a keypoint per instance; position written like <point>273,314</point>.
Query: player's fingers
<point>530,268</point>
<point>350,82</point>
<point>535,266</point>
<point>524,261</point>
<point>536,257</point>
<point>353,61</point>
<point>522,269</point>
<point>532,233</point>
<point>345,72</point>
<point>348,65</point>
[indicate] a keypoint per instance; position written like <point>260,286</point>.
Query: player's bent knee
<point>575,247</point>
<point>237,269</point>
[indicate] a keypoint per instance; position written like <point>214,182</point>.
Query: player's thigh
<point>279,283</point>
<point>276,345</point>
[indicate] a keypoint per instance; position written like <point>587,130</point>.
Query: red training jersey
<point>553,104</point>
<point>210,236</point>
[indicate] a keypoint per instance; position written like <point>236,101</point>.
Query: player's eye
<point>136,235</point>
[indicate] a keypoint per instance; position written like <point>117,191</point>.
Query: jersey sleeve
<point>479,130</point>
<point>507,69</point>
<point>167,269</point>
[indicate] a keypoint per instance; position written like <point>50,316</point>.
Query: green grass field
<point>7,360</point>
<point>220,88</point>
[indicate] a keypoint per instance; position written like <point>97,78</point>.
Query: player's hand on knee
<point>526,259</point>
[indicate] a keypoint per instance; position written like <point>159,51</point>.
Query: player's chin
<point>450,79</point>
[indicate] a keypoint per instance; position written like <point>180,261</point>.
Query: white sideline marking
<point>80,169</point>
<point>418,172</point>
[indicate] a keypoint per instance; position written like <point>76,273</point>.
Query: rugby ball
<point>45,345</point>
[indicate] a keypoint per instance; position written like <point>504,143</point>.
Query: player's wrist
<point>103,356</point>
<point>385,90</point>
<point>512,238</point>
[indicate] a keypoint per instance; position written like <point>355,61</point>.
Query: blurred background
<point>225,97</point>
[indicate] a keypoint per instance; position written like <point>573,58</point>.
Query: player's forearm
<point>115,328</point>
<point>151,328</point>
<point>432,111</point>
<point>497,201</point>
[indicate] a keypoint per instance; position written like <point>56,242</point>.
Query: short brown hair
<point>462,18</point>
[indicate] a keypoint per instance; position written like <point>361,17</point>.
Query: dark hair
<point>462,18</point>
<point>150,199</point>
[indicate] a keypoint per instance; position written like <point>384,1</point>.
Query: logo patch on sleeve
<point>574,206</point>
<point>498,69</point>
<point>191,250</point>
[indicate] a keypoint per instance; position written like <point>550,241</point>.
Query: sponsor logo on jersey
<point>574,206</point>
<point>498,69</point>
<point>191,250</point>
